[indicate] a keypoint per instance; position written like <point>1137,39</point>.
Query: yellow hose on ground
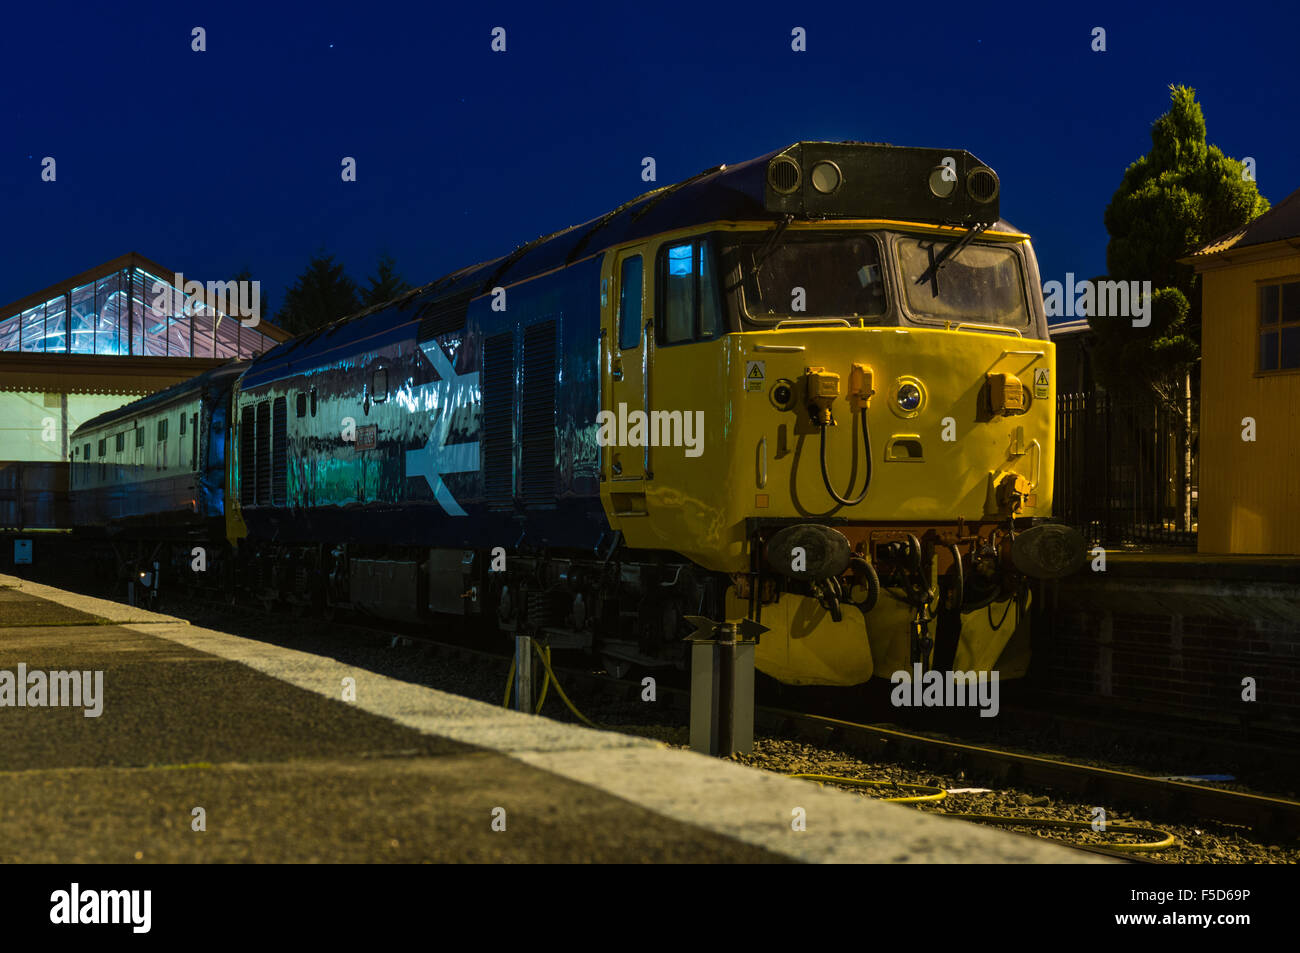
<point>1161,841</point>
<point>544,653</point>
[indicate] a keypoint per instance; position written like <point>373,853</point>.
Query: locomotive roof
<point>723,193</point>
<point>217,375</point>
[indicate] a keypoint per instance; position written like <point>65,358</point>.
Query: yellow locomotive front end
<point>850,418</point>
<point>927,460</point>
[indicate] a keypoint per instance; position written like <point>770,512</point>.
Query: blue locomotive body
<point>464,424</point>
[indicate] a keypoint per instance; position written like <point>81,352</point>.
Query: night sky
<point>211,162</point>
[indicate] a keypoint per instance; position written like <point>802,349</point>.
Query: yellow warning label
<point>755,375</point>
<point>1042,379</point>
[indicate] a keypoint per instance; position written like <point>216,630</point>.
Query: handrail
<point>645,396</point>
<point>807,321</point>
<point>998,328</point>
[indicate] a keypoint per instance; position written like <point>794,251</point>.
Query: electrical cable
<point>826,478</point>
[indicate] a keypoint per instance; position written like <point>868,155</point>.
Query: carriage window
<point>379,385</point>
<point>101,446</point>
<point>85,453</point>
<point>182,425</point>
<point>120,442</point>
<point>689,300</point>
<point>301,405</point>
<point>629,305</point>
<point>313,402</point>
<point>139,437</point>
<point>162,429</point>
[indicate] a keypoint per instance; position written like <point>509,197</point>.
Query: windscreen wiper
<point>768,246</point>
<point>950,252</point>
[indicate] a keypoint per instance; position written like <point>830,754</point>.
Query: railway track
<point>1271,816</point>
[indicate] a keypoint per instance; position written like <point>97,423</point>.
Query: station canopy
<point>130,307</point>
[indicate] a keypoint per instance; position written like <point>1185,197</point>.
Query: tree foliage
<point>321,294</point>
<point>385,284</point>
<point>1171,201</point>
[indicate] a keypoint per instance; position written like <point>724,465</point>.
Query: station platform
<point>260,738</point>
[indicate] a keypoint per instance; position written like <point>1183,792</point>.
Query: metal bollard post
<point>722,686</point>
<point>524,673</point>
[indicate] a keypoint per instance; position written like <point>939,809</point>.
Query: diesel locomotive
<point>814,391</point>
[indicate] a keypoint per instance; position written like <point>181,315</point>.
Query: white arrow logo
<point>435,458</point>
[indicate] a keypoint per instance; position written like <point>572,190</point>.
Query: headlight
<point>909,397</point>
<point>826,177</point>
<point>943,181</point>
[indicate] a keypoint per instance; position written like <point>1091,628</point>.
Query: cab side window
<point>629,304</point>
<point>689,298</point>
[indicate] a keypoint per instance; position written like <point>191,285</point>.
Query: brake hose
<point>961,576</point>
<point>826,478</point>
<point>864,568</point>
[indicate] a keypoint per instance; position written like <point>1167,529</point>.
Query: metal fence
<point>1126,471</point>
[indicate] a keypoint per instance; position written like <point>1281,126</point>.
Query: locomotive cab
<point>847,409</point>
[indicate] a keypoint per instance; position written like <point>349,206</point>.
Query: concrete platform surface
<point>260,738</point>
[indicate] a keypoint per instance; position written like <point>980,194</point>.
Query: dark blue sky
<point>210,162</point>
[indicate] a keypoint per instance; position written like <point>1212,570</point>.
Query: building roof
<point>1278,224</point>
<point>131,307</point>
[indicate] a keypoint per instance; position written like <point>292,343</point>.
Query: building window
<point>1279,327</point>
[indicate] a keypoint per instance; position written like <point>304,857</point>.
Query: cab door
<point>627,333</point>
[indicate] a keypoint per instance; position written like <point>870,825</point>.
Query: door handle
<point>616,372</point>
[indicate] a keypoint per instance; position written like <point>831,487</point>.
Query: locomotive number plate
<point>367,437</point>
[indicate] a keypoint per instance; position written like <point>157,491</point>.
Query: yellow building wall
<point>1249,492</point>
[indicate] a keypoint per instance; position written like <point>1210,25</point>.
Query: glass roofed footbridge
<point>93,342</point>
